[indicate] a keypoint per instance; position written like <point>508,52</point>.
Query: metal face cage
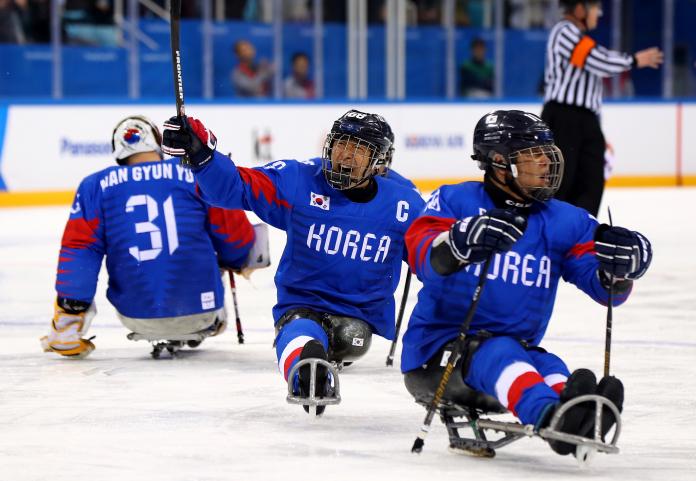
<point>538,171</point>
<point>355,160</point>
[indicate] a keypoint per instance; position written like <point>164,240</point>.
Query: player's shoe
<point>612,389</point>
<point>314,350</point>
<point>580,382</point>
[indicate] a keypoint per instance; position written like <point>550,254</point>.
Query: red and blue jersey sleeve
<point>580,264</point>
<point>82,247</point>
<point>267,190</point>
<point>436,218</point>
<point>232,235</point>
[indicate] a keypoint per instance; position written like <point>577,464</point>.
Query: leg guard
<point>503,368</point>
<point>292,337</point>
<point>551,367</point>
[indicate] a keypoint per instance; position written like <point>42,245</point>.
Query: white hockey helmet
<point>133,135</point>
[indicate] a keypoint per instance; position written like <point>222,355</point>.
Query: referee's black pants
<point>577,133</point>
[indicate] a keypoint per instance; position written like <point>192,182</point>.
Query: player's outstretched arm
<point>70,323</point>
<point>220,181</point>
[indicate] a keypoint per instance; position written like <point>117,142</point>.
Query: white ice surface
<point>219,412</point>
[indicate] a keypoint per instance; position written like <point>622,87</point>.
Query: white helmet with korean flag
<point>133,135</point>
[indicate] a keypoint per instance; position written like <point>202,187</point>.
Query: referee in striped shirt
<point>575,67</point>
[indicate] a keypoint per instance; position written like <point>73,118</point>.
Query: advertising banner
<point>52,147</point>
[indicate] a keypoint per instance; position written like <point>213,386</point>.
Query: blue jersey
<point>400,179</point>
<point>159,238</point>
<point>341,257</point>
<point>519,294</point>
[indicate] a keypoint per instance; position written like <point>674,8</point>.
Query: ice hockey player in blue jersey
<point>385,169</point>
<point>345,242</point>
<point>163,246</point>
<point>535,240</point>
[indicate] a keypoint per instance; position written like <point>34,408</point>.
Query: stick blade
<point>417,446</point>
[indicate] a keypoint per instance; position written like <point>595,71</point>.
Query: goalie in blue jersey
<point>345,228</point>
<point>163,246</point>
<point>535,241</point>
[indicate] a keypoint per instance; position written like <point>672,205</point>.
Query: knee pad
<point>349,338</point>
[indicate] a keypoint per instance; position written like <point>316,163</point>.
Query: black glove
<point>623,253</point>
<point>474,239</point>
<point>187,137</point>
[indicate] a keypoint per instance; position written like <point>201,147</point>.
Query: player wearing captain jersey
<point>163,245</point>
<point>535,240</point>
<point>385,169</point>
<point>345,230</point>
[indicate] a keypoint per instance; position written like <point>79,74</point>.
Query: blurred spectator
<point>250,79</point>
<point>298,85</point>
<point>477,73</point>
<point>11,21</point>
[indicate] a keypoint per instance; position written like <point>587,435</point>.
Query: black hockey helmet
<point>522,145</point>
<point>358,134</point>
<point>383,168</point>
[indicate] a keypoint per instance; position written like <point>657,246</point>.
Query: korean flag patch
<point>321,201</point>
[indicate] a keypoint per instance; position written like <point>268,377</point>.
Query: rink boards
<point>46,149</point>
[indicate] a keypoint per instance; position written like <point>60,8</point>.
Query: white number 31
<point>152,229</point>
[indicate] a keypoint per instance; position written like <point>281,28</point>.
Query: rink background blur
<point>219,412</point>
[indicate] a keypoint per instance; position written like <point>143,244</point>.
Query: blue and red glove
<point>188,138</point>
<point>623,253</point>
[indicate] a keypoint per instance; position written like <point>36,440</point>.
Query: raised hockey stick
<point>238,321</point>
<point>174,28</point>
<point>400,317</point>
<point>610,316</point>
<point>457,350</point>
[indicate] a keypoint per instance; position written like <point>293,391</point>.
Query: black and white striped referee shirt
<point>575,66</point>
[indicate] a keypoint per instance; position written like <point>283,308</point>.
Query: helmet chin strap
<point>510,186</point>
